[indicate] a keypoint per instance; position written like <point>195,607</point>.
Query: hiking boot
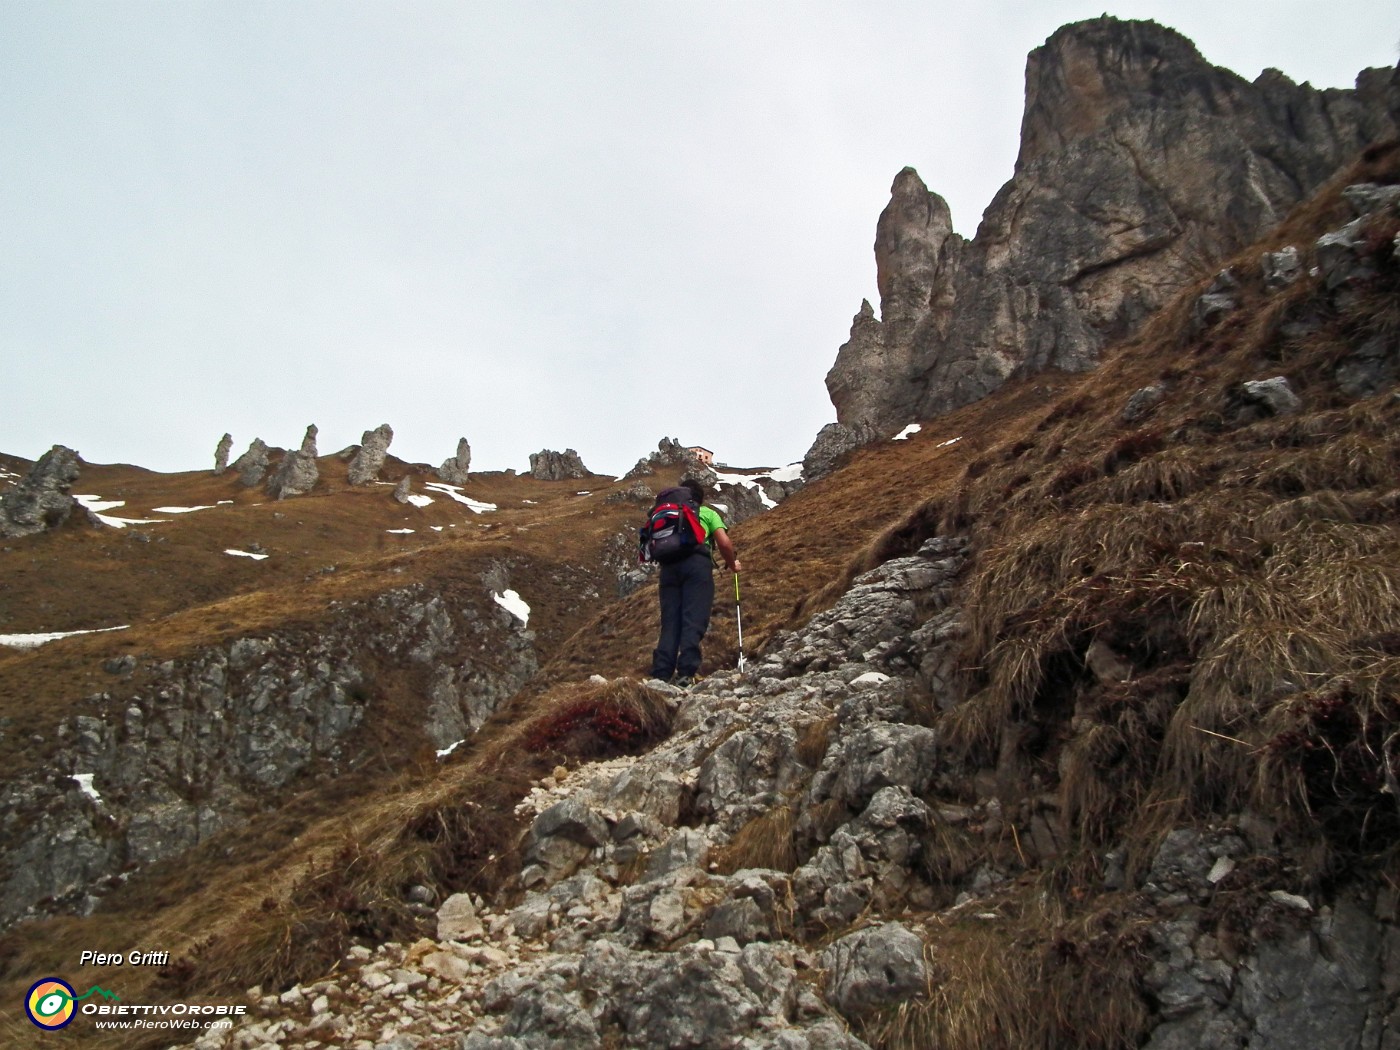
<point>684,681</point>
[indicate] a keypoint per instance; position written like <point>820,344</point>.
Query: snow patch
<point>950,441</point>
<point>85,785</point>
<point>30,641</point>
<point>907,432</point>
<point>791,472</point>
<point>512,603</point>
<point>435,528</point>
<point>179,510</point>
<point>96,504</point>
<point>444,752</point>
<point>399,532</point>
<point>748,481</point>
<point>455,492</point>
<point>245,554</point>
<point>419,500</point>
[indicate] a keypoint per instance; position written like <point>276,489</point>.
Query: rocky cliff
<point>174,753</point>
<point>1141,166</point>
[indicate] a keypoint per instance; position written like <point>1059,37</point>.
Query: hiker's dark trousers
<point>687,592</point>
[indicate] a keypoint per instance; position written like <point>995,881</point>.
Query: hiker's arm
<point>726,549</point>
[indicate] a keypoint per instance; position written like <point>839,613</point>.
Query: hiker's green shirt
<point>710,520</point>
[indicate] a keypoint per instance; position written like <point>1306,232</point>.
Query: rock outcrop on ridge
<point>221,453</point>
<point>1140,165</point>
<point>41,501</point>
<point>297,474</point>
<point>670,454</point>
<point>549,465</point>
<point>251,467</point>
<point>455,471</point>
<point>369,458</point>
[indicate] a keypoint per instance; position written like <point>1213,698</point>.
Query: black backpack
<point>673,530</point>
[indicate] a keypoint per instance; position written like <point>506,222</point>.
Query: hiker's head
<point>696,489</point>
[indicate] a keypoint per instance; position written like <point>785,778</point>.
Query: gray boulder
<point>369,458</point>
<point>1370,367</point>
<point>561,838</point>
<point>457,919</point>
<point>251,467</point>
<point>874,967</point>
<point>698,998</point>
<point>41,501</point>
<point>736,503</point>
<point>403,489</point>
<point>1281,268</point>
<point>1340,258</point>
<point>881,755</point>
<point>1217,301</point>
<point>1261,398</point>
<point>543,1014</point>
<point>1367,198</point>
<point>1143,402</point>
<point>1307,981</point>
<point>834,441</point>
<point>638,493</point>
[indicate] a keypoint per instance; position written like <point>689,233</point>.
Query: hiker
<point>687,586</point>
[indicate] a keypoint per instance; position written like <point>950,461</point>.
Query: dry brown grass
<point>764,842</point>
<point>1245,570</point>
<point>813,739</point>
<point>1022,972</point>
<point>599,720</point>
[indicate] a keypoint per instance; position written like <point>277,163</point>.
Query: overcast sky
<point>532,224</point>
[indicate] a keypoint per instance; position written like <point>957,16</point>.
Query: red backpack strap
<point>696,528</point>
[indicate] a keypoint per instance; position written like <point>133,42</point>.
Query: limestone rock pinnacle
<point>1141,165</point>
<point>374,446</point>
<point>454,471</point>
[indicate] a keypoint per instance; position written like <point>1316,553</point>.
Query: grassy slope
<point>298,856</point>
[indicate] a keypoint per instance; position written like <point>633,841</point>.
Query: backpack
<point>673,530</point>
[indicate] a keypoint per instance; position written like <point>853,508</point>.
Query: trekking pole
<point>739,619</point>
